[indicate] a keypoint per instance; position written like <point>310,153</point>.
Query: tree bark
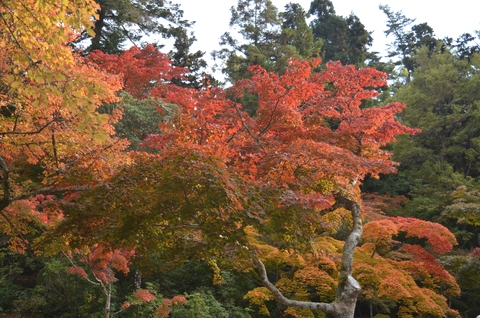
<point>348,287</point>
<point>137,281</point>
<point>108,294</point>
<point>98,28</point>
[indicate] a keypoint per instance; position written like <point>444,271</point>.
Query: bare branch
<point>15,38</point>
<point>184,226</point>
<point>75,265</point>
<point>348,287</point>
<point>54,146</point>
<point>325,307</point>
<point>29,132</point>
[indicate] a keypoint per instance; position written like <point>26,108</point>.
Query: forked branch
<point>348,288</point>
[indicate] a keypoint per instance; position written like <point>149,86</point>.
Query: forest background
<point>136,184</point>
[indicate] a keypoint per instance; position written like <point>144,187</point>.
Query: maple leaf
<point>79,271</point>
<point>145,71</point>
<point>144,295</point>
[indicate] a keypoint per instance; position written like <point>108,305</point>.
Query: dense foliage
<point>133,187</point>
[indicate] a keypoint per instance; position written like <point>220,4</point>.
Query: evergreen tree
<point>407,40</point>
<point>127,20</point>
<point>442,100</point>
<point>297,34</point>
<point>267,38</point>
<point>464,48</point>
<point>258,24</point>
<point>345,39</point>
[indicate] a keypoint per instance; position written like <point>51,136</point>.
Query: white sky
<point>447,18</point>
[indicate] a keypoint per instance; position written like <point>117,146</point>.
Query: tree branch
<point>75,265</point>
<point>247,128</point>
<point>14,37</point>
<point>50,190</point>
<point>184,226</point>
<point>264,130</point>
<point>29,132</point>
<point>348,287</point>
<point>330,308</point>
<point>6,182</point>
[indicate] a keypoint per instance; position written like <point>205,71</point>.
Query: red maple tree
<point>292,171</point>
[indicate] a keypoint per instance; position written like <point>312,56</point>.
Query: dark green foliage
<point>194,279</point>
<point>463,45</point>
<point>11,267</point>
<point>296,34</point>
<point>140,118</point>
<point>58,294</point>
<point>344,39</point>
<point>185,279</point>
<point>467,275</point>
<point>443,100</point>
<point>201,305</point>
<point>258,24</point>
<point>34,286</point>
<point>392,184</point>
<point>268,38</point>
<point>125,20</point>
<point>182,57</point>
<point>407,41</point>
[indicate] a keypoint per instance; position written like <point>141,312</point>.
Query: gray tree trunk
<point>137,282</point>
<point>348,288</point>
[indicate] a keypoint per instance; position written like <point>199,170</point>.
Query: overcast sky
<point>447,18</point>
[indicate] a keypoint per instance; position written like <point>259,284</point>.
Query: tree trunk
<point>108,300</point>
<point>99,24</point>
<point>348,288</point>
<point>137,281</point>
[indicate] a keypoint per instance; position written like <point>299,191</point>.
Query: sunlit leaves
<point>52,136</point>
<point>465,208</point>
<point>146,72</point>
<point>394,286</point>
<point>101,263</point>
<point>411,261</point>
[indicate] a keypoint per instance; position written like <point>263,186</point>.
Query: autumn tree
<point>101,264</point>
<point>397,279</point>
<point>219,171</point>
<point>53,139</point>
